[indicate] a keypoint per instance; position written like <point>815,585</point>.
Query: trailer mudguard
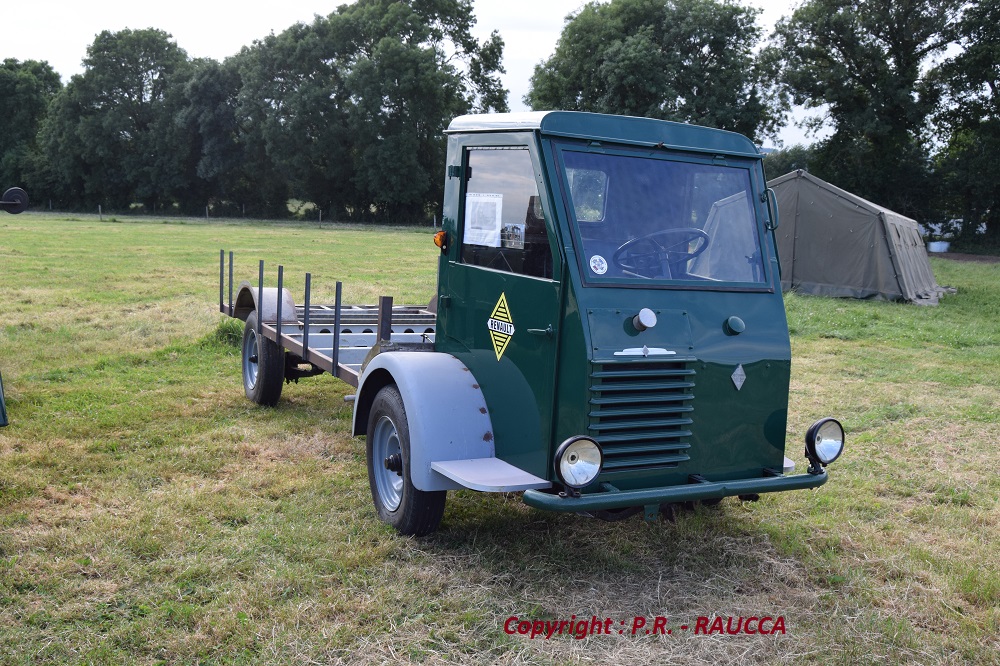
<point>445,408</point>
<point>267,309</point>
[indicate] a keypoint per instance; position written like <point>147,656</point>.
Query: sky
<point>60,31</point>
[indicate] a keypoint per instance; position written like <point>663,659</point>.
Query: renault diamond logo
<point>739,376</point>
<point>501,326</point>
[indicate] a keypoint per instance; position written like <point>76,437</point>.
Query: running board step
<point>489,475</point>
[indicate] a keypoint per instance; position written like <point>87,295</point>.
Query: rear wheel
<point>263,365</point>
<point>387,448</point>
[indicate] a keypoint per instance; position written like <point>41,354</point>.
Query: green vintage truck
<point>608,334</point>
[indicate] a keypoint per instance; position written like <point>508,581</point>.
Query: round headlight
<point>825,441</point>
<point>578,461</point>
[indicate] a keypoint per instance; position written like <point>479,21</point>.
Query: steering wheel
<point>651,263</point>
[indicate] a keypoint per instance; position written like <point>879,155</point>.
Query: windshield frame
<point>742,163</point>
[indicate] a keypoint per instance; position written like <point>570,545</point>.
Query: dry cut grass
<point>150,514</point>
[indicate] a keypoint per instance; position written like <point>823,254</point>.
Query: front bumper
<point>611,498</point>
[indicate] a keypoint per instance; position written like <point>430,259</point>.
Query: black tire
<point>263,366</point>
<point>15,200</point>
<point>411,511</point>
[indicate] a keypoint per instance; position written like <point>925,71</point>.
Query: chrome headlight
<point>578,461</point>
<point>824,442</point>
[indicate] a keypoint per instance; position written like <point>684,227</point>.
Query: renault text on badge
<point>500,325</point>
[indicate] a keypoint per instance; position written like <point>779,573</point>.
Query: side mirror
<point>15,200</point>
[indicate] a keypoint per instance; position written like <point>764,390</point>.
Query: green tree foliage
<point>971,119</point>
<point>347,112</point>
<point>233,172</point>
<point>684,60</point>
<point>866,61</point>
<point>110,136</point>
<point>26,89</point>
<point>352,107</point>
<point>789,159</point>
<point>291,112</point>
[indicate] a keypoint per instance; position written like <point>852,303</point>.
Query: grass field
<point>150,514</point>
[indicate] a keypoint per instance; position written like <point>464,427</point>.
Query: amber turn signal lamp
<point>441,240</point>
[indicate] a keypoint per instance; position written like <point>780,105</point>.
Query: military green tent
<point>833,243</point>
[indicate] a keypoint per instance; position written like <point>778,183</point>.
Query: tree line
<point>348,112</point>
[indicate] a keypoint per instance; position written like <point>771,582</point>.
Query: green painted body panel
<point>734,433</point>
<point>517,387</point>
<point>574,364</point>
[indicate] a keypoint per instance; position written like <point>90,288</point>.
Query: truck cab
<point>614,280</point>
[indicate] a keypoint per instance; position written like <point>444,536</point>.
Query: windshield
<point>642,219</point>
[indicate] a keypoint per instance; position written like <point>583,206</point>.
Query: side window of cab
<point>503,221</point>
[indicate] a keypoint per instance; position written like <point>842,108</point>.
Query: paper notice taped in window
<point>483,217</point>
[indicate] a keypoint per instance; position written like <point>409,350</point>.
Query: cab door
<point>499,311</point>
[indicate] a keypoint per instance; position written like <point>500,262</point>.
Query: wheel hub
<point>251,359</point>
<point>394,463</point>
<point>385,447</point>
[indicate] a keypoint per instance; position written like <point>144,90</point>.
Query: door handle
<point>547,331</point>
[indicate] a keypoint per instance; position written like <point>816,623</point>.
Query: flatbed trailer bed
<point>332,338</point>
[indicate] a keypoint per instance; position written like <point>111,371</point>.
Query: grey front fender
<point>445,409</point>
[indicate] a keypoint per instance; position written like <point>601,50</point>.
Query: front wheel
<point>263,365</point>
<point>387,449</point>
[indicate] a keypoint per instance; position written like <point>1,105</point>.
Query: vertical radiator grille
<point>640,412</point>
